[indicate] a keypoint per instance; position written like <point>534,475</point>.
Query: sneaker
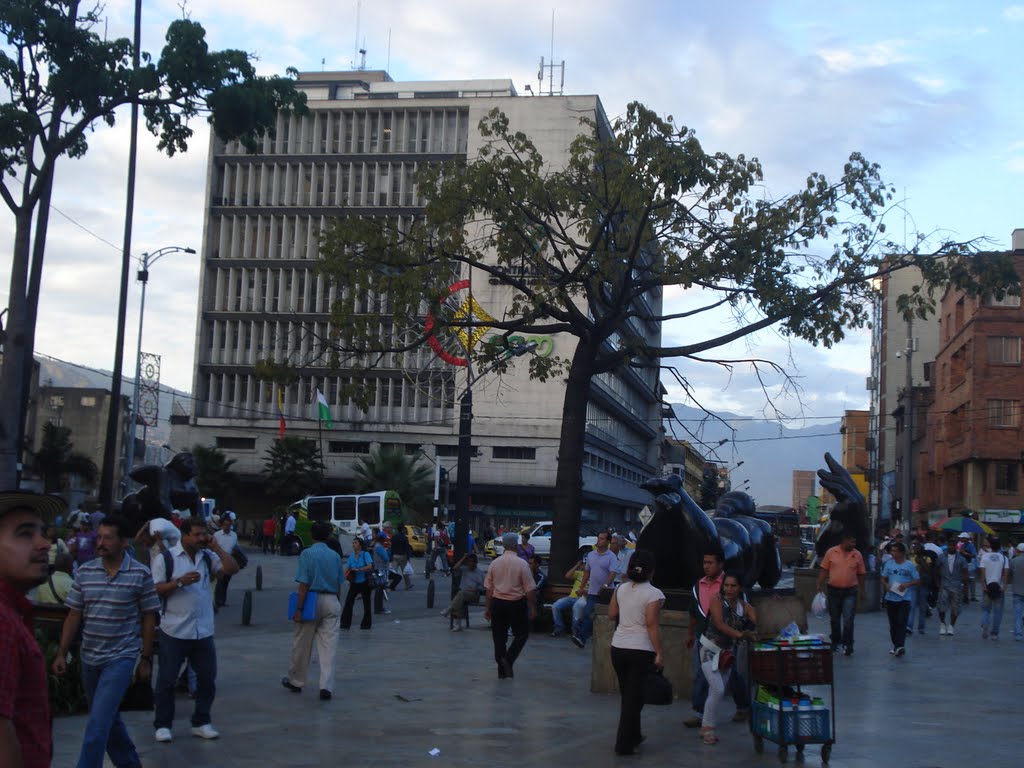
<point>920,631</point>
<point>910,630</point>
<point>290,686</point>
<point>164,735</point>
<point>949,630</point>
<point>995,637</point>
<point>445,613</point>
<point>848,651</point>
<point>205,731</point>
<point>577,641</point>
<point>557,633</point>
<point>457,628</point>
<point>325,695</point>
<point>901,651</point>
<point>942,629</point>
<point>892,651</point>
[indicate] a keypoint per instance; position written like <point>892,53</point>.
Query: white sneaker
<point>205,732</point>
<point>942,629</point>
<point>164,735</point>
<point>949,630</point>
<point>457,628</point>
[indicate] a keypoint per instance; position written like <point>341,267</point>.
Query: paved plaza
<point>409,686</point>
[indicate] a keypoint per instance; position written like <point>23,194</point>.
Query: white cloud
<point>1016,164</point>
<point>1014,13</point>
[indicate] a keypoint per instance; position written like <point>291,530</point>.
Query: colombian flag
<point>280,412</point>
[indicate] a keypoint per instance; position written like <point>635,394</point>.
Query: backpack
<point>169,570</point>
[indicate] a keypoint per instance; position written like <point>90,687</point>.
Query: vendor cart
<point>781,710</point>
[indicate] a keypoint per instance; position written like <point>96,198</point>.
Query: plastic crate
<point>794,727</point>
<point>798,666</point>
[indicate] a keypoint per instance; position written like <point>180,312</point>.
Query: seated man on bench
<point>471,584</point>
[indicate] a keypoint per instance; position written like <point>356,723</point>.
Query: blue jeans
<point>842,606</point>
<point>584,628</point>
<point>202,656</point>
<point>918,608</point>
<point>1018,617</point>
<point>992,612</point>
<point>105,731</point>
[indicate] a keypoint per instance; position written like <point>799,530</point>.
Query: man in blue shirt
<point>899,575</point>
<point>109,599</point>
<point>599,573</point>
<point>319,575</point>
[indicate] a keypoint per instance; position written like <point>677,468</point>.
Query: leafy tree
<point>391,469</point>
<point>709,488</point>
<point>61,78</point>
<point>293,468</point>
<point>215,476</point>
<point>56,460</point>
<point>586,249</point>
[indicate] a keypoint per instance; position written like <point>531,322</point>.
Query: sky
<point>930,91</point>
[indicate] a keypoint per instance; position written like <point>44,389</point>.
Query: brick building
<point>971,455</point>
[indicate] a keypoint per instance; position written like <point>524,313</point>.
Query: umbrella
<point>964,525</point>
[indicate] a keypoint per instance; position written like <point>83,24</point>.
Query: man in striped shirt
<point>111,599</point>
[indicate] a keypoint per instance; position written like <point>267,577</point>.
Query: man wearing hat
<point>25,738</point>
<point>1017,585</point>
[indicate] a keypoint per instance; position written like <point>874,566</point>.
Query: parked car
<point>417,539</point>
<point>540,538</point>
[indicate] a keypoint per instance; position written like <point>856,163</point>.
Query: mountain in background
<point>58,373</point>
<point>769,451</point>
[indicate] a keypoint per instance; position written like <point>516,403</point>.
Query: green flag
<point>323,411</point>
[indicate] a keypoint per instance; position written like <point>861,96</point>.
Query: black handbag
<point>657,688</point>
<point>240,557</point>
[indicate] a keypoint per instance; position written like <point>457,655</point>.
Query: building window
<point>342,446</point>
<point>1008,300</point>
<point>236,443</point>
<point>1004,413</point>
<point>1004,349</point>
<point>515,452</point>
<point>1007,478</point>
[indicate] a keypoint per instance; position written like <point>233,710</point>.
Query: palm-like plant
<point>215,477</point>
<point>389,469</point>
<point>56,460</point>
<point>293,467</point>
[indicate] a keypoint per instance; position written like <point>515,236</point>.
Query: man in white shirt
<point>227,540</point>
<point>186,626</point>
<point>993,570</point>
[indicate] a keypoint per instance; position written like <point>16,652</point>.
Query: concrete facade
<point>262,298</point>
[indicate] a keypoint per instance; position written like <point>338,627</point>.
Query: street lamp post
<point>143,277</point>
<point>465,447</point>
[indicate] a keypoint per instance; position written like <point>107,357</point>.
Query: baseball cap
<point>1020,547</point>
<point>964,536</point>
<point>40,504</point>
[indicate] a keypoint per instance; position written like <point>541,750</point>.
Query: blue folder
<point>308,607</point>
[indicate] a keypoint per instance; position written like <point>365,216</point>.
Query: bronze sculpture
<point>166,488</point>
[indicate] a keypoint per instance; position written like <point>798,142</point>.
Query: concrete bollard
<point>430,593</point>
<point>259,578</point>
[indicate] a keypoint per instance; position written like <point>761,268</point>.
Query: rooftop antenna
<point>355,48</point>
<point>549,69</point>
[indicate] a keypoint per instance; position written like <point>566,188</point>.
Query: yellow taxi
<point>417,539</point>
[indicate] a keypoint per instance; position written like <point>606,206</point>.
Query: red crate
<point>792,666</point>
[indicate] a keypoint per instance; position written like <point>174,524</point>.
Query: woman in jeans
<point>730,619</point>
<point>357,571</point>
<point>636,644</point>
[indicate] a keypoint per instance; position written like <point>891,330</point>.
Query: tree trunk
<point>17,354</point>
<point>569,478</point>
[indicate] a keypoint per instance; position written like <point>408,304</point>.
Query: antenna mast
<point>549,69</point>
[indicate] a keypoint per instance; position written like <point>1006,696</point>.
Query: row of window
<point>998,414</point>
<point>511,452</point>
<point>328,184</point>
<point>612,468</point>
<point>367,130</point>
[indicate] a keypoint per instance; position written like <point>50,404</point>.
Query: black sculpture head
<point>164,489</point>
<point>850,514</point>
